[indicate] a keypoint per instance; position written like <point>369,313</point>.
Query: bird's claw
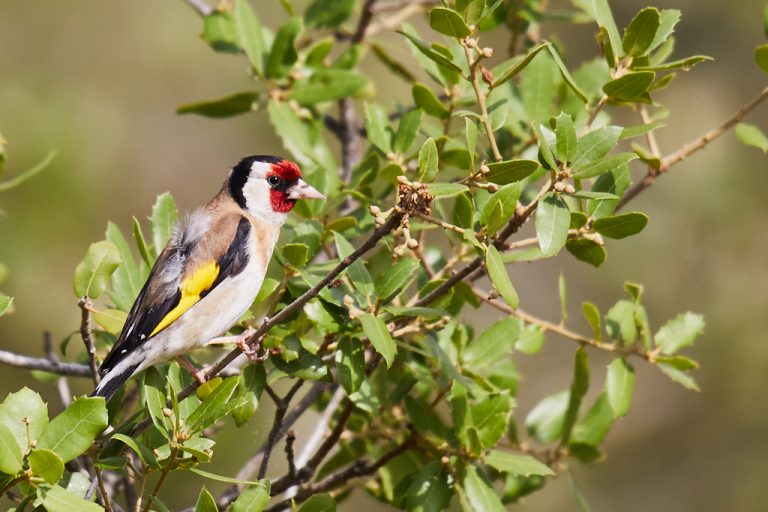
<point>251,352</point>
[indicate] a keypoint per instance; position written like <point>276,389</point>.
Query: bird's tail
<point>112,381</point>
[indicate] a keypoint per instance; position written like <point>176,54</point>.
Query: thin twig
<point>692,147</point>
<point>481,97</point>
<point>102,488</point>
<point>86,307</point>
<point>163,475</point>
<point>281,405</point>
<point>46,365</point>
<point>290,440</point>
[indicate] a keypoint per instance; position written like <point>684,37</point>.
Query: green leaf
<point>144,453</point>
<point>163,220</point>
<point>29,173</point>
<point>614,182</point>
<point>621,226</point>
<point>679,376</point>
<point>512,67</point>
<point>397,277</point>
<point>5,303</point>
<point>428,160</point>
<point>220,32</point>
<point>470,10</point>
<point>552,221</point>
<point>25,415</point>
<point>448,22</point>
<point>283,54</point>
<point>407,131</point>
<point>73,431</point>
<point>214,407</point>
<point>579,387</point>
<point>112,320</point>
<point>428,490</point>
<point>426,100</point>
<point>442,190</point>
<point>595,145</point>
<point>357,271</point>
<point>641,32</point>
<point>470,130</point>
<point>586,250</point>
<point>377,127</point>
<point>566,138</point>
<point>431,54</point>
<point>567,77</point>
<point>327,85</point>
<point>479,493</point>
<point>761,57</point>
<point>492,344</point>
<point>629,86</point>
<point>594,426</point>
<point>490,417</point>
<point>500,207</point>
<point>154,395</point>
<point>531,340</point>
<point>538,87</point>
<point>499,277</point>
<point>205,502</point>
<point>592,314</point>
<point>393,64</point>
<point>319,503</point>
<point>619,385</point>
<point>219,108</point>
<point>253,378</point>
<point>602,166</point>
<point>510,171</point>
<point>679,332</point>
<point>685,64</point>
<point>605,20</point>
<point>250,33</point>
<point>350,364</point>
<point>328,13</point>
<point>667,21</point>
<point>751,135</point>
<point>147,252</point>
<point>11,455</point>
<point>620,322</point>
<point>93,272</point>
<point>46,464</point>
<point>58,499</point>
<point>516,464</point>
<point>380,338</point>
<point>127,280</point>
<point>253,498</point>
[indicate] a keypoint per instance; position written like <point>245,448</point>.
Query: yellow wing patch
<point>191,289</point>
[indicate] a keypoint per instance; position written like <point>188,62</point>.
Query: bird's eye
<point>274,180</point>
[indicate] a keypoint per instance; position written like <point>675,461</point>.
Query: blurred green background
<point>99,82</point>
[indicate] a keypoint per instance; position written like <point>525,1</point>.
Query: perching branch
<point>692,147</point>
<point>86,307</point>
<point>46,365</point>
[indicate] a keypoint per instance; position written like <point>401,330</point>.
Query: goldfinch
<point>211,270</point>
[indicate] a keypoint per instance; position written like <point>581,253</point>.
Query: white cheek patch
<point>257,198</point>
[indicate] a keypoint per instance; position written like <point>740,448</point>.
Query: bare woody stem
<point>692,147</point>
<point>277,425</point>
<point>86,306</point>
<point>473,63</point>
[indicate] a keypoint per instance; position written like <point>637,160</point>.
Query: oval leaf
<point>448,22</point>
<point>93,272</point>
<point>379,335</point>
<point>72,432</point>
<point>552,221</point>
<point>621,226</point>
<point>499,277</point>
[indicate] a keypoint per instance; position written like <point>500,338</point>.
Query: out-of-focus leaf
<point>448,22</point>
<point>490,417</point>
<point>11,455</point>
<point>641,32</point>
<point>350,364</point>
<point>428,490</point>
<point>761,57</point>
<point>29,173</point>
<point>593,427</point>
<point>163,220</point>
<point>621,226</point>
<point>679,376</point>
<point>220,32</point>
<point>620,322</point>
<point>253,499</point>
<point>407,130</point>
<point>667,20</point>
<point>567,77</point>
<point>93,272</point>
<point>552,222</point>
<point>58,499</point>
<point>579,387</point>
<point>619,385</point>
<point>431,54</point>
<point>516,464</point>
<point>72,432</point>
<point>604,18</point>
<point>377,127</point>
<point>493,343</point>
<point>283,54</point>
<point>228,106</point>
<point>426,100</point>
<point>205,502</point>
<point>545,420</point>
<point>319,503</point>
<point>357,271</point>
<point>538,87</point>
<point>510,171</point>
<point>428,160</point>
<point>46,464</point>
<point>147,252</point>
<point>498,274</point>
<point>327,85</point>
<point>751,135</point>
<point>470,130</point>
<point>397,277</point>
<point>111,320</point>
<point>380,338</point>
<point>586,250</point>
<point>630,86</point>
<point>250,33</point>
<point>393,64</point>
<point>328,13</point>
<point>127,280</point>
<point>679,332</point>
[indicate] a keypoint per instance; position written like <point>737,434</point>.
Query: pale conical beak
<point>302,190</point>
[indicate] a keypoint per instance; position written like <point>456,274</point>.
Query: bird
<point>210,271</point>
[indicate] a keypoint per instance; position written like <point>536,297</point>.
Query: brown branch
<point>86,307</point>
<point>46,365</point>
<point>290,453</point>
<point>692,147</point>
<point>281,405</point>
<point>481,97</point>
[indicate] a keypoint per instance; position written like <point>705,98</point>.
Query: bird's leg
<point>197,373</point>
<point>241,340</point>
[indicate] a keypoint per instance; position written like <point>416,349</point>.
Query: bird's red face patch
<point>288,174</point>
